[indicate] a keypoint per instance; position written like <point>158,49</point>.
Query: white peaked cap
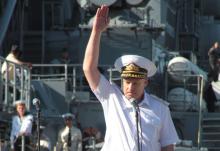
<point>140,61</point>
<point>68,115</point>
<point>19,102</point>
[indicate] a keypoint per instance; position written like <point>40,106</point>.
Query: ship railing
<point>187,82</point>
<point>71,74</point>
<point>14,84</point>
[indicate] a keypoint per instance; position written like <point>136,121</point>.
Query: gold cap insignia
<point>133,71</point>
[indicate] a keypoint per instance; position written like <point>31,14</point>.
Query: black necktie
<point>69,139</point>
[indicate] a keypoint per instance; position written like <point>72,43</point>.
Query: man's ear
<point>146,82</point>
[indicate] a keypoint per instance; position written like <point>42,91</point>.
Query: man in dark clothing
<point>214,61</point>
<point>210,98</point>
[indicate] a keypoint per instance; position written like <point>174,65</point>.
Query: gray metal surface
<point>7,15</point>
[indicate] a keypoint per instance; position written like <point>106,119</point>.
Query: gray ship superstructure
<point>160,30</point>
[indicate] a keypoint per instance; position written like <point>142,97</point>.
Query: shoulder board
<point>160,100</point>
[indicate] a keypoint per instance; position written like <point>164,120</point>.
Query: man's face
<point>20,109</point>
<point>65,55</point>
<point>216,45</point>
<point>69,122</point>
<point>134,88</point>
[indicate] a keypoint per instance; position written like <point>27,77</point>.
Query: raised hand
<point>101,20</point>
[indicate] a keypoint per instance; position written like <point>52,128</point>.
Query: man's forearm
<point>90,63</point>
<point>92,51</point>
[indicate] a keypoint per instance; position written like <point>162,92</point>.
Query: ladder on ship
<point>211,131</point>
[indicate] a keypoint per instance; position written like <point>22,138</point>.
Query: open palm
<point>101,19</point>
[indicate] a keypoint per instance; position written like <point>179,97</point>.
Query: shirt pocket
<point>74,136</point>
<point>150,127</point>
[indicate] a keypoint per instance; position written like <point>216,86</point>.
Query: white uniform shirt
<point>13,59</point>
<point>156,123</point>
<point>76,139</point>
<point>18,126</point>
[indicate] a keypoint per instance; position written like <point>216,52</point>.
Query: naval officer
<point>70,137</point>
<point>135,120</point>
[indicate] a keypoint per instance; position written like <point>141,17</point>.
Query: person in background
<point>70,137</point>
<point>13,56</point>
<point>63,59</point>
<point>91,135</point>
<point>213,76</point>
<point>135,120</point>
<point>59,62</point>
<point>8,69</point>
<point>21,127</point>
<point>92,132</point>
<point>210,98</point>
<point>214,61</point>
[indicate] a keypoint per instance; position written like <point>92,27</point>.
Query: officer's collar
<point>143,103</point>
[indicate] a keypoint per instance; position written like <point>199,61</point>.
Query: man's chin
<point>129,97</point>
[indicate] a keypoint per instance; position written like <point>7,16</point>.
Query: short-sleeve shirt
<point>76,139</point>
<point>18,126</point>
<point>10,67</point>
<point>156,127</point>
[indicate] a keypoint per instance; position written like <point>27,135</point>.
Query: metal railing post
<point>1,83</point>
<point>200,92</point>
<point>14,82</point>
<point>21,83</point>
<point>74,80</point>
<point>6,85</point>
<point>166,85</point>
<point>28,85</point>
<point>22,143</point>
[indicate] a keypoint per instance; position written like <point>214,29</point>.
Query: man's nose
<point>131,86</point>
